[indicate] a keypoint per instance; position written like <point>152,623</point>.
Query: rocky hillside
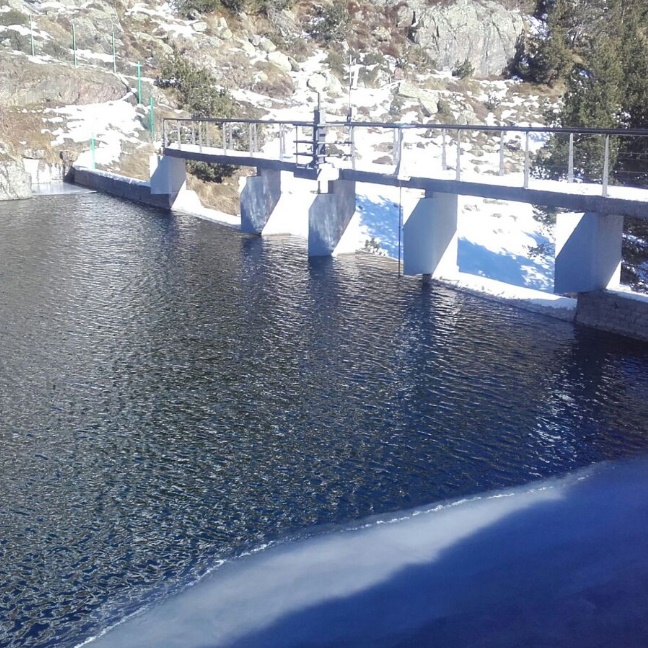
<point>70,84</point>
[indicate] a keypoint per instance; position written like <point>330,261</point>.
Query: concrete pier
<point>430,236</point>
<point>259,198</point>
<point>588,252</point>
<point>329,216</point>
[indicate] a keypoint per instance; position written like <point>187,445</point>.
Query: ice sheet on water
<point>560,563</point>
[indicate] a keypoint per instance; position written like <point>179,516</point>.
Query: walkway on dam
<point>322,150</point>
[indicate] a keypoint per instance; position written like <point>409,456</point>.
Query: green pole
<point>31,33</point>
<point>139,82</point>
<point>92,152</point>
<point>114,50</point>
<point>74,44</point>
<point>151,119</point>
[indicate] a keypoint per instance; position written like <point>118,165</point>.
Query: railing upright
<point>200,136</point>
<point>444,152</point>
<point>282,142</point>
<point>165,141</point>
<point>224,138</point>
<point>178,135</point>
<point>397,150</point>
<point>570,168</point>
<point>353,147</point>
<point>458,169</point>
<point>526,160</point>
<point>606,166</point>
<point>501,154</point>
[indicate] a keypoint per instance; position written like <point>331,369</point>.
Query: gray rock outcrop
<point>23,83</point>
<point>15,182</point>
<point>482,31</point>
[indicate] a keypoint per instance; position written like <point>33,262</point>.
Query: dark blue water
<point>173,393</point>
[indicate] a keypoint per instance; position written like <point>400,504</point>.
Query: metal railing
<point>449,149</point>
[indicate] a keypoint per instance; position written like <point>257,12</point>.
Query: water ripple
<point>174,394</point>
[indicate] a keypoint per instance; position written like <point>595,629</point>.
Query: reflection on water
<point>174,393</point>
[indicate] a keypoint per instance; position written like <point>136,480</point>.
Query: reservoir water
<point>174,394</point>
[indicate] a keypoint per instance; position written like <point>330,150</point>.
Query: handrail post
<point>164,133</point>
<point>570,163</point>
<point>526,160</point>
<point>193,133</point>
<point>353,147</point>
<point>606,166</point>
<point>501,154</point>
<point>282,142</point>
<point>200,136</point>
<point>250,143</point>
<point>458,169</point>
<point>444,153</point>
<point>179,136</point>
<point>224,138</point>
<point>397,150</point>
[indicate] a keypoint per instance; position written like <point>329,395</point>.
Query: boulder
<point>200,26</point>
<point>408,90</point>
<point>15,182</point>
<point>428,107</point>
<point>280,60</point>
<point>266,45</point>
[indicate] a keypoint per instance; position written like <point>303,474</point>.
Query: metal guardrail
<point>310,144</point>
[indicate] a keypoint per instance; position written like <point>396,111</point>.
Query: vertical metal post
<point>74,59</point>
<point>353,147</point>
<point>296,144</point>
<point>458,171</point>
<point>398,148</point>
<point>501,154</point>
<point>114,50</point>
<point>193,133</point>
<point>151,118</point>
<point>179,139</point>
<point>526,160</point>
<point>31,34</point>
<point>282,142</point>
<point>164,133</point>
<point>200,138</point>
<point>92,152</point>
<point>606,166</point>
<point>570,163</point>
<point>444,152</point>
<point>139,82</point>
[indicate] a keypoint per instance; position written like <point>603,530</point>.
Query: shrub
<point>210,172</point>
<point>331,23</point>
<point>463,70</point>
<point>195,88</point>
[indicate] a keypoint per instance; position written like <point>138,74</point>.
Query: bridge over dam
<point>493,162</point>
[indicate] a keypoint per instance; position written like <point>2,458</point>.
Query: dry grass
<point>222,196</point>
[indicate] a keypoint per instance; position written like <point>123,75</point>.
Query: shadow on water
<point>565,571</point>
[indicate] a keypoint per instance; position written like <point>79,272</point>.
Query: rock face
<point>482,31</point>
<point>23,84</point>
<point>15,182</point>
